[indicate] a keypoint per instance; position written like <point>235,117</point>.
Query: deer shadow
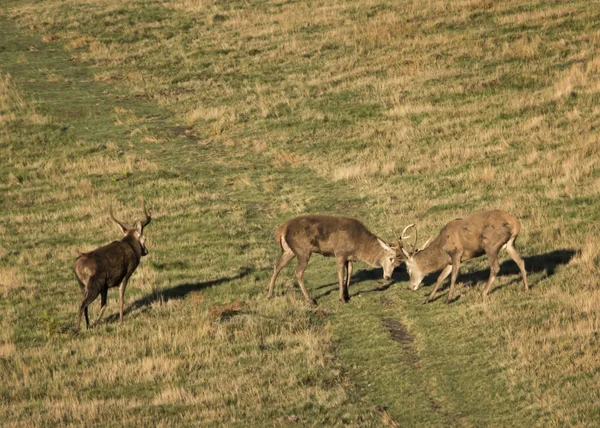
<point>366,275</point>
<point>399,275</point>
<point>177,292</point>
<point>546,264</point>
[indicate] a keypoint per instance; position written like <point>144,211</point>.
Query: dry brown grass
<point>11,278</point>
<point>13,106</point>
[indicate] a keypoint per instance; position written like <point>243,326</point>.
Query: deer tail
<point>280,233</point>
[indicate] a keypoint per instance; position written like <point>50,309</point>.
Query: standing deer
<point>109,266</point>
<point>346,239</point>
<point>485,232</point>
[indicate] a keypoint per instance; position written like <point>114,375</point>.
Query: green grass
<point>229,119</point>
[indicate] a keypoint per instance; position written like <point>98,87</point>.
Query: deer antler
<point>426,244</point>
<point>148,218</point>
<point>414,245</point>
<point>405,229</point>
<point>123,225</point>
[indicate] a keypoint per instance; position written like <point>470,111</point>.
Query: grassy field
<point>231,117</point>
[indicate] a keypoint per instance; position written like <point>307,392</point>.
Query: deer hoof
<point>344,300</point>
<point>426,301</point>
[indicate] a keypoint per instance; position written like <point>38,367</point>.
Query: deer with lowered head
<point>109,266</point>
<point>346,239</point>
<point>485,232</point>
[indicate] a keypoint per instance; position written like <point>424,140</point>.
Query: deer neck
<point>135,246</point>
<point>371,253</point>
<point>431,259</point>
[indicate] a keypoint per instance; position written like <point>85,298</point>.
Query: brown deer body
<point>485,232</point>
<point>109,266</point>
<point>346,239</point>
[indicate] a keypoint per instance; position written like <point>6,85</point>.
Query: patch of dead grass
<point>11,277</point>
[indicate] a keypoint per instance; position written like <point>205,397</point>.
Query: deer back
<point>478,231</point>
<point>329,235</point>
<point>109,263</point>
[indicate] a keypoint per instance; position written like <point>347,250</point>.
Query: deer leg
<point>83,289</point>
<point>341,268</point>
<point>283,261</point>
<point>494,269</point>
<point>103,298</point>
<point>514,254</point>
<point>87,317</point>
<point>455,266</point>
<point>439,281</point>
<point>89,297</point>
<point>302,263</point>
<point>349,273</point>
<point>122,288</point>
<point>85,311</point>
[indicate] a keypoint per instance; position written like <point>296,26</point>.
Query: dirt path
<point>399,333</point>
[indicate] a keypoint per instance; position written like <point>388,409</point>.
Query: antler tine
<point>405,229</point>
<point>426,243</point>
<point>412,250</point>
<point>414,247</point>
<point>123,225</point>
<point>148,218</point>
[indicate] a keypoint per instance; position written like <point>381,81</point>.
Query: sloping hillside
<point>231,117</point>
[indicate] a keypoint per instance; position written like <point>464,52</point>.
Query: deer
<point>109,266</point>
<point>462,239</point>
<point>346,239</point>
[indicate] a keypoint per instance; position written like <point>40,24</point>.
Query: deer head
<point>135,231</point>
<point>415,273</point>
<point>390,259</point>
